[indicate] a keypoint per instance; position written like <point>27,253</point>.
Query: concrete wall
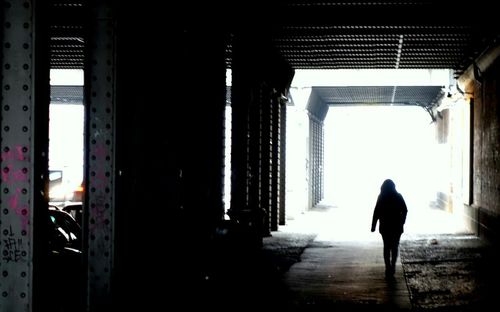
<point>442,156</point>
<point>297,164</point>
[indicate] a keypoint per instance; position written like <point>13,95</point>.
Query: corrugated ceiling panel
<point>374,95</point>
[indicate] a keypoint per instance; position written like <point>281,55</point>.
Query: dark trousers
<point>391,248</point>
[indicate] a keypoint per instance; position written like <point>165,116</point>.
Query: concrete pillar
<point>297,145</point>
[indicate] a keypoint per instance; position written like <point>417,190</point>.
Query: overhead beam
<point>474,71</point>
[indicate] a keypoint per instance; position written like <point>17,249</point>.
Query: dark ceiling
<point>327,34</point>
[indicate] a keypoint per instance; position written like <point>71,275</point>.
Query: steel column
<point>282,163</point>
<point>100,156</point>
<point>275,159</point>
<point>312,180</point>
<point>240,91</point>
<point>317,166</point>
<point>246,135</point>
<point>259,74</point>
<point>255,151</point>
<point>316,156</point>
<point>321,161</point>
<point>314,162</point>
<point>266,159</point>
<point>24,109</point>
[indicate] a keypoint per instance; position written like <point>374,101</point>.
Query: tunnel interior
<point>155,97</point>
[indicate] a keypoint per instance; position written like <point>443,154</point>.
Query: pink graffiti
<point>22,211</point>
<point>99,214</point>
<point>11,156</point>
<point>14,199</point>
<point>17,175</point>
<point>5,176</point>
<point>20,154</point>
<point>7,156</point>
<point>11,159</point>
<point>100,180</point>
<point>100,151</point>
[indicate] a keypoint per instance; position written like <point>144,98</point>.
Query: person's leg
<point>394,251</point>
<point>387,253</point>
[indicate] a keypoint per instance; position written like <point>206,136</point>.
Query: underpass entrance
<point>344,141</point>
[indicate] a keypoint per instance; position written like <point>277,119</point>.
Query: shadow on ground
<point>443,272</point>
<point>450,272</point>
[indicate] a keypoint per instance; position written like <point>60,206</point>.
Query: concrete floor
<point>346,274</point>
<point>328,260</point>
<point>342,268</point>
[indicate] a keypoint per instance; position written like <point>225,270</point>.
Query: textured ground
<point>443,272</point>
<point>449,272</point>
<point>337,265</point>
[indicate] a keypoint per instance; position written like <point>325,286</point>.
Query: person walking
<point>390,210</point>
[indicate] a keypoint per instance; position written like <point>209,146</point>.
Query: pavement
<point>346,275</point>
<point>442,266</point>
<point>328,260</point>
<point>450,272</point>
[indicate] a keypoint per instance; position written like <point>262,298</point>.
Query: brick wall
<point>486,151</point>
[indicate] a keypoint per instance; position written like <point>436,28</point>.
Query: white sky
<point>66,131</point>
<point>365,145</point>
<point>368,77</point>
<point>372,77</point>
<point>66,77</point>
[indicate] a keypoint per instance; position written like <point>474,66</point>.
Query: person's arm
<point>375,216</point>
<point>404,210</point>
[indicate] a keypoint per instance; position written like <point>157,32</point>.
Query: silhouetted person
<point>391,211</point>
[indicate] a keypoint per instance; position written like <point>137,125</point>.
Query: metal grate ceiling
<point>66,32</point>
<point>390,48</point>
<point>380,34</point>
<point>66,94</point>
<point>425,96</point>
<point>328,34</point>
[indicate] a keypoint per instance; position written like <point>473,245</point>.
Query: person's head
<point>388,186</point>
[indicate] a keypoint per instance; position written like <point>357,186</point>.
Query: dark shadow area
<point>443,272</point>
<point>64,284</point>
<point>450,272</point>
<point>230,276</point>
<point>240,279</point>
